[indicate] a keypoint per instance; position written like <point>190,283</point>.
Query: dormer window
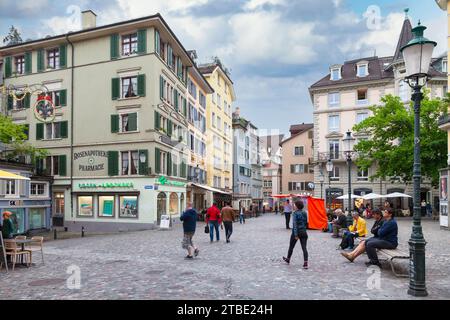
<point>335,73</point>
<point>444,66</point>
<point>362,69</point>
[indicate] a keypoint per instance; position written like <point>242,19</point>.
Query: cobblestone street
<point>151,265</point>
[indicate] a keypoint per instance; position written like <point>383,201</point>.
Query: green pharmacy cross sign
<point>165,182</point>
<point>106,185</point>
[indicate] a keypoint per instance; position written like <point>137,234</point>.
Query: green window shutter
<point>113,163</point>
<point>184,108</point>
<point>10,105</point>
<point>157,42</point>
<point>8,67</point>
<point>63,165</point>
<point>39,131</point>
<point>64,129</point>
<point>175,98</point>
<point>142,41</point>
<point>27,100</point>
<point>157,121</point>
<point>161,87</point>
<point>141,85</point>
<point>63,97</point>
<point>169,128</point>
<point>63,56</point>
<point>40,60</point>
<point>183,168</point>
<point>115,88</point>
<point>169,164</point>
<point>132,121</point>
<point>169,56</point>
<point>157,160</point>
<point>114,41</point>
<point>28,62</point>
<point>114,123</point>
<point>292,168</point>
<point>143,166</point>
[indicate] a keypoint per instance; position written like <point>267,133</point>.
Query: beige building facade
<point>118,132</point>
<point>297,167</point>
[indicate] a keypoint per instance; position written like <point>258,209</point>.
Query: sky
<point>275,49</point>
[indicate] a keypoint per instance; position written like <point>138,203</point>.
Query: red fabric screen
<point>317,216</point>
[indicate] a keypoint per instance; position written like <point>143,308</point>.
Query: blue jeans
<point>373,244</point>
<point>214,225</point>
<point>241,218</point>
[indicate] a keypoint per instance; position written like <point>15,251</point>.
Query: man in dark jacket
<point>339,223</point>
<point>189,218</point>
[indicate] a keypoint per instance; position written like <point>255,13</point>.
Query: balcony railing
<point>324,156</point>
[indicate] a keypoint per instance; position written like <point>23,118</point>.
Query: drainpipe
<point>71,122</point>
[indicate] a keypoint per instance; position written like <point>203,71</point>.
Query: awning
<point>209,188</point>
<point>11,176</point>
<point>280,196</point>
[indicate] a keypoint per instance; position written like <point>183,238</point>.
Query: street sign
<point>148,187</point>
<point>165,222</point>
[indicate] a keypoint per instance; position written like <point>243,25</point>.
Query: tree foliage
<point>13,37</point>
<point>390,142</point>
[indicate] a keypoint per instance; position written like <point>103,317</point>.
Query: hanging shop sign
<point>91,160</point>
<point>44,109</point>
<point>106,185</point>
<point>165,182</point>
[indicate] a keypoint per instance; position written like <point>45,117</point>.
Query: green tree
<point>390,142</point>
<point>13,37</point>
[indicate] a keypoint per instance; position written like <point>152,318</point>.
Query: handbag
<point>207,229</point>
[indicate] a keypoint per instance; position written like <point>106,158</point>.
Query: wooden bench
<point>390,255</point>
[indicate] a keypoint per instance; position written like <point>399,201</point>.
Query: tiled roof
<point>405,36</point>
<point>298,129</point>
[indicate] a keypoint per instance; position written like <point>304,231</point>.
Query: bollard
<point>54,234</point>
<point>82,232</point>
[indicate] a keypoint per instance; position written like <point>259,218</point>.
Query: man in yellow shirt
<point>358,229</point>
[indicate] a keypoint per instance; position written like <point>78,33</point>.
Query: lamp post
<point>321,180</point>
<point>417,55</point>
<point>329,169</point>
<point>349,142</point>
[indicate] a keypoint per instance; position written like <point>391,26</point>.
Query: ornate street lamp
<point>417,55</point>
<point>349,142</point>
<point>329,169</point>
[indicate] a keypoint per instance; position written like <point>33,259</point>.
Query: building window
<point>334,99</point>
<point>37,189</point>
<point>444,66</point>
<point>333,123</point>
<point>130,162</point>
<point>53,130</point>
<point>361,116</point>
<point>128,206</point>
<point>12,188</point>
<point>173,204</point>
<point>129,87</point>
<point>335,74</point>
<point>362,97</point>
<point>219,123</point>
<point>36,218</point>
<point>334,174</point>
<point>334,149</point>
<point>128,122</point>
<point>299,151</point>
<point>202,100</point>
<point>219,101</point>
<point>53,58</point>
<point>129,44</point>
<point>363,174</point>
<point>362,70</point>
<point>52,165</point>
<point>55,96</point>
<point>299,168</point>
<point>20,64</point>
<point>106,206</point>
<point>86,206</point>
<point>403,91</point>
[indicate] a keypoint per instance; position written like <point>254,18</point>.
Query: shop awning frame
<point>209,188</point>
<point>6,175</point>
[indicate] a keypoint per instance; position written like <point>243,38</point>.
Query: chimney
<point>88,19</point>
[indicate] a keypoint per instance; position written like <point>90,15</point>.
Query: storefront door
<point>161,206</point>
<point>58,209</point>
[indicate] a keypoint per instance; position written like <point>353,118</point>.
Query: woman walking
<point>300,221</point>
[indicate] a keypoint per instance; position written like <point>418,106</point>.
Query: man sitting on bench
<point>361,248</point>
<point>339,223</point>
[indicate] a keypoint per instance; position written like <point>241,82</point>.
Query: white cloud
<point>138,8</point>
<point>254,4</point>
<point>70,22</point>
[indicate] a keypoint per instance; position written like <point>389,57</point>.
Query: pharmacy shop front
<point>111,205</point>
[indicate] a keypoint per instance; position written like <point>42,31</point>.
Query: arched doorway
<point>161,206</point>
<point>173,204</point>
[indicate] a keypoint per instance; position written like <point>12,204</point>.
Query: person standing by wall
<point>287,213</point>
<point>214,219</point>
<point>300,221</point>
<point>241,214</point>
<point>228,218</point>
<point>189,218</point>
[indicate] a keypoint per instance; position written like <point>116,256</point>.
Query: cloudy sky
<point>275,48</point>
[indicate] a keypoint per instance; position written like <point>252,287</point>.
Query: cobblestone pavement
<point>151,265</point>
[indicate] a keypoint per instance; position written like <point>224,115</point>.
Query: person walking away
<point>358,229</point>
<point>242,214</point>
<point>227,219</point>
<point>287,213</point>
<point>276,209</point>
<point>361,248</point>
<point>339,223</point>
<point>299,221</point>
<point>8,227</point>
<point>213,219</point>
<point>429,210</point>
<point>189,218</point>
<point>423,208</point>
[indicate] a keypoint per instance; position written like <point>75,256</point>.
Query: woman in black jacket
<point>300,221</point>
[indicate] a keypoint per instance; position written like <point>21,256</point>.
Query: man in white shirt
<point>287,213</point>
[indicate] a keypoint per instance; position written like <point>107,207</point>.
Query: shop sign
<point>148,187</point>
<point>106,185</point>
<point>93,160</point>
<point>165,222</point>
<point>165,182</point>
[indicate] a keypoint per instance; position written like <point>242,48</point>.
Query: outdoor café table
<point>22,243</point>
